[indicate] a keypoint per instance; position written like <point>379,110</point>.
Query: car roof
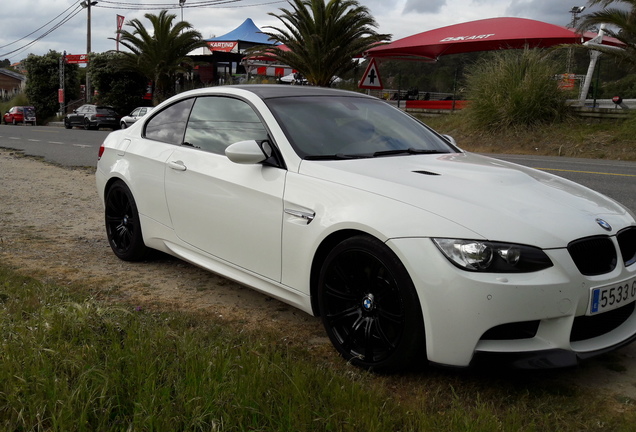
<point>268,91</point>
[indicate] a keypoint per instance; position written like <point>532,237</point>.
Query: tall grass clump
<point>513,89</point>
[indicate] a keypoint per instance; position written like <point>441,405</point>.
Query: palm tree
<point>322,39</point>
<point>622,26</point>
<point>160,56</point>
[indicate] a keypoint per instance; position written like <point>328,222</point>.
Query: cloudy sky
<point>37,26</point>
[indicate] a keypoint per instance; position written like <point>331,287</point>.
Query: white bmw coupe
<point>408,248</point>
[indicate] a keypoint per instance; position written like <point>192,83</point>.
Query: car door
<point>77,117</point>
<point>232,211</point>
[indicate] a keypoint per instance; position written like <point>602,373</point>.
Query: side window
<point>169,124</point>
<point>216,122</point>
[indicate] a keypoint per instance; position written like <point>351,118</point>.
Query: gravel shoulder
<point>51,227</point>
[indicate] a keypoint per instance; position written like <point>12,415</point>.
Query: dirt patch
<point>51,226</point>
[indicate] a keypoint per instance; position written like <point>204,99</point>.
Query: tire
<point>369,307</point>
<point>123,227</point>
<point>67,124</point>
<point>87,125</point>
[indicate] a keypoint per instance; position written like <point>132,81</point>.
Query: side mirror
<point>247,152</point>
<point>450,139</point>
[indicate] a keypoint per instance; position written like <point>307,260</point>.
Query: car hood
<point>497,200</point>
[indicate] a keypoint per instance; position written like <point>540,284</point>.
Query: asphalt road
<point>77,147</point>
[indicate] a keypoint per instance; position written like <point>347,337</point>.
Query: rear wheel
<point>123,227</point>
<point>369,306</point>
<point>87,124</point>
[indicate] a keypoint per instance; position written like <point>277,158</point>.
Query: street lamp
<point>181,3</point>
<point>87,5</point>
<point>576,11</point>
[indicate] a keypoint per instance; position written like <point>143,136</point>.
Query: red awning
<point>482,35</point>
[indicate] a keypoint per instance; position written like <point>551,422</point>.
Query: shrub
<point>511,88</point>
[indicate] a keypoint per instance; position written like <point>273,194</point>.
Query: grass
<point>71,363</point>
<point>573,137</point>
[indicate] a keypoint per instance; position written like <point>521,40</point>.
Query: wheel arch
<point>323,250</point>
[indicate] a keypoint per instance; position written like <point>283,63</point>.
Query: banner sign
<point>76,58</point>
<point>120,23</point>
<point>223,46</point>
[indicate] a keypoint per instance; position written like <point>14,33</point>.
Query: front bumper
<point>529,319</point>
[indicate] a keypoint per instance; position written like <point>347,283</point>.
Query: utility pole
<point>87,4</point>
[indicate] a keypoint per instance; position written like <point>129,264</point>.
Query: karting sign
<point>76,58</point>
<point>371,78</point>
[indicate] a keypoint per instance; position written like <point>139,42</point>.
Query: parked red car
<point>20,114</point>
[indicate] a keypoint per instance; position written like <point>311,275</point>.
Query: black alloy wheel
<point>123,227</point>
<point>370,308</point>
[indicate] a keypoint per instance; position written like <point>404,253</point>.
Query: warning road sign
<point>371,78</point>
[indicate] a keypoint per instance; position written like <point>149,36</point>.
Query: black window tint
<point>169,124</point>
<point>217,122</point>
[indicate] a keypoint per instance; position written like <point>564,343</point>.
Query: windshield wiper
<point>410,151</point>
<point>337,156</point>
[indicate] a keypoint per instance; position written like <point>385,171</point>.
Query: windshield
<point>328,127</point>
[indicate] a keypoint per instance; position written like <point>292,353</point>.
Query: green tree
<point>322,39</point>
<point>121,89</point>
<point>161,55</point>
<point>622,26</point>
<point>43,82</point>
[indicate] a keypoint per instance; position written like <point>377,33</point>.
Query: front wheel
<point>123,227</point>
<point>369,306</point>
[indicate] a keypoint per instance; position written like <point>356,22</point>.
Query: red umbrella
<point>482,35</point>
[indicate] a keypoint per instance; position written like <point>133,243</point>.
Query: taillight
<point>101,151</point>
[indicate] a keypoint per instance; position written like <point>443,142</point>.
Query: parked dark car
<point>135,115</point>
<point>93,117</point>
<point>20,114</point>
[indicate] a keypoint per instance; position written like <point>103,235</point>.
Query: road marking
<point>586,172</point>
<point>55,142</point>
<point>34,140</point>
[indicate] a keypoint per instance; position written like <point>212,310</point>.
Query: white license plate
<point>604,299</point>
<point>110,118</point>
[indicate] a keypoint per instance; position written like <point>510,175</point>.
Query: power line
<point>38,29</point>
<point>64,20</point>
<point>128,6</point>
<point>168,6</point>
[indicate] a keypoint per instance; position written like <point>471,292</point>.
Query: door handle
<point>177,165</point>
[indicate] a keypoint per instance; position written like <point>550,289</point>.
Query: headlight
<point>493,257</point>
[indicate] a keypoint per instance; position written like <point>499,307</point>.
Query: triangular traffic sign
<point>371,78</point>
